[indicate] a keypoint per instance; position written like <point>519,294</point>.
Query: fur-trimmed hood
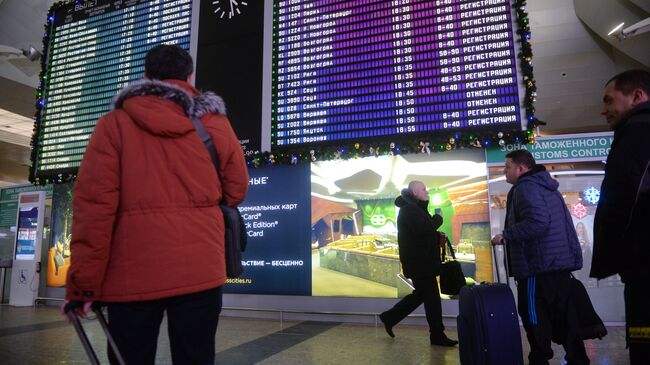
<point>167,117</point>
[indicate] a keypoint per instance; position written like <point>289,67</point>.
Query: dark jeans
<point>192,325</point>
<point>426,292</point>
<point>543,301</point>
<point>637,318</point>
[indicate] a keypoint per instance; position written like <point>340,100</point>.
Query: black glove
<point>437,220</point>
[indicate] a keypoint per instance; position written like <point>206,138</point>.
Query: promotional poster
<point>276,213</point>
<point>354,219</point>
<point>58,253</point>
<point>329,228</point>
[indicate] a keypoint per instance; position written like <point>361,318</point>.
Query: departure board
<point>373,68</point>
<point>95,49</point>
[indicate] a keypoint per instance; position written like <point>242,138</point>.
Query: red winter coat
<point>146,222</point>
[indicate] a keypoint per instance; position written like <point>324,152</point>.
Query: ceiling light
<point>616,29</point>
<point>631,31</point>
<point>32,53</point>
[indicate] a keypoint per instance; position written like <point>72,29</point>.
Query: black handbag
<point>451,274</point>
<point>580,320</point>
<point>591,326</point>
<point>235,229</point>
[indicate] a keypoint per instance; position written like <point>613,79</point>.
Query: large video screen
<point>354,245</point>
<point>372,69</point>
<point>94,49</point>
<point>332,231</point>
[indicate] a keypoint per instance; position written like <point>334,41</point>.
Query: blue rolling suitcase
<point>488,325</point>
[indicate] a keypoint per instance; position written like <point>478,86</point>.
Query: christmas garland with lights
<point>40,102</point>
<point>425,144</point>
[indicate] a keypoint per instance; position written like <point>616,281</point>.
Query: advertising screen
<point>26,233</point>
<point>276,212</point>
<point>355,249</point>
<point>329,228</point>
<point>58,253</point>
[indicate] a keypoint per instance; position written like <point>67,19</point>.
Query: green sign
<point>12,193</point>
<point>8,214</point>
<point>556,149</point>
<point>9,201</point>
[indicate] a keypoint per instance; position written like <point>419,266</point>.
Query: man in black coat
<point>621,238</point>
<point>419,253</point>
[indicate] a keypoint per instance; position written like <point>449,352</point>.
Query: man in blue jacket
<point>621,239</point>
<point>542,249</point>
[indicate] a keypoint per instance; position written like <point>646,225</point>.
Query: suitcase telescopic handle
<point>505,261</point>
<point>97,308</point>
<point>496,263</point>
<point>72,317</point>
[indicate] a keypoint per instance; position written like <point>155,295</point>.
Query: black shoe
<point>442,340</point>
<point>387,327</point>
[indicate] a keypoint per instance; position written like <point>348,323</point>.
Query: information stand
<point>27,252</point>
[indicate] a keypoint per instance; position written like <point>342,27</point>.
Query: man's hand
<point>437,220</point>
<point>80,312</point>
<point>497,239</point>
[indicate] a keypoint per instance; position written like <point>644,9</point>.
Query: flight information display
<point>372,68</point>
<point>95,49</point>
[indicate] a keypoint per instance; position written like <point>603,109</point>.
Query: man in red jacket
<point>147,231</point>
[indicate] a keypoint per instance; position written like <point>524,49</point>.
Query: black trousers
<point>192,325</point>
<point>637,318</point>
<point>425,292</point>
<point>542,302</point>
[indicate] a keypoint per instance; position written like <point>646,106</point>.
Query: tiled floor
<point>40,336</point>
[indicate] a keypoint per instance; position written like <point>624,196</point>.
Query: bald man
<point>419,253</point>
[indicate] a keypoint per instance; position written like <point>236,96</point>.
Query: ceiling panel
<point>571,65</point>
<point>14,164</point>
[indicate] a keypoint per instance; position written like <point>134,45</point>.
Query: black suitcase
<point>90,352</point>
<point>488,325</point>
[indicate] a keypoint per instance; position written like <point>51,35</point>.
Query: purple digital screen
<point>373,68</point>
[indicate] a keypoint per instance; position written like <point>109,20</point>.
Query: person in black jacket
<point>621,239</point>
<point>419,253</point>
<point>542,249</point>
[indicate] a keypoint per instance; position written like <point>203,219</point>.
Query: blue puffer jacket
<point>539,233</point>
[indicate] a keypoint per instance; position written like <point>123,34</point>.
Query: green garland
<point>424,144</point>
<point>526,62</point>
<point>40,103</point>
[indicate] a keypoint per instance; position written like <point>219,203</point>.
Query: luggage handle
<point>96,307</point>
<point>505,262</point>
<point>446,244</point>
